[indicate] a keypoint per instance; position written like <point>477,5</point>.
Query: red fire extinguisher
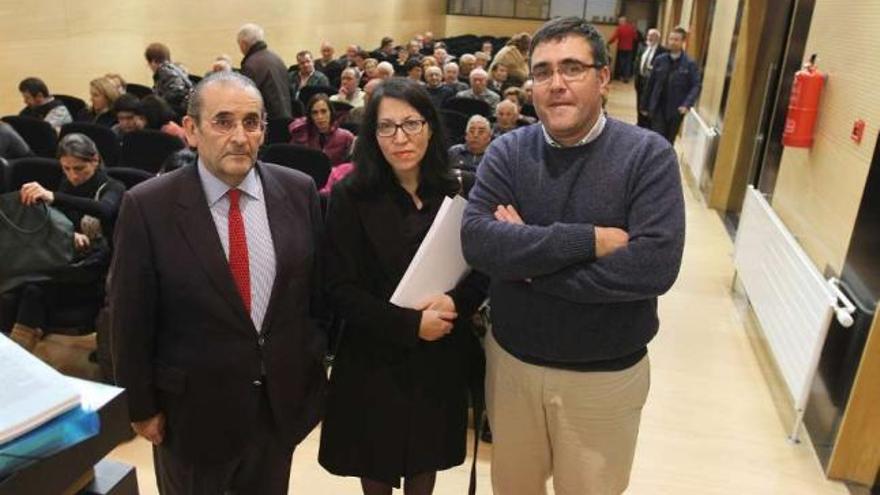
<point>803,106</point>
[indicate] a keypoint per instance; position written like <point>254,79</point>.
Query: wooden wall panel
<point>723,22</point>
<point>69,42</point>
<point>818,190</point>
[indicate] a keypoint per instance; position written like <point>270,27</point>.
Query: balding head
<point>385,70</point>
<point>479,78</point>
<point>371,86</point>
<point>450,73</point>
<point>653,36</point>
<point>506,114</point>
<point>433,76</point>
<point>225,78</point>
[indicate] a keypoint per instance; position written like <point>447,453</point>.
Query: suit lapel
<point>197,227</point>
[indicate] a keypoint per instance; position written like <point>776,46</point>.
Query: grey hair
<point>226,78</point>
<point>563,27</point>
<point>506,103</point>
<point>451,64</point>
<point>477,118</point>
<point>250,33</point>
<point>468,57</point>
<point>478,72</point>
<point>79,146</point>
<point>386,67</point>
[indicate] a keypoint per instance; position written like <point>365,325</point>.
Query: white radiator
<point>698,143</point>
<point>791,299</point>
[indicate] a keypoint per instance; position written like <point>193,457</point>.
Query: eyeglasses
<point>571,71</point>
<point>410,128</point>
<point>226,125</point>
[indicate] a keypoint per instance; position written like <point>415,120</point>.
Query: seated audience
<point>160,117</point>
<point>518,96</point>
<point>515,55</point>
<point>223,63</point>
<point>351,52</point>
<point>527,91</point>
<point>319,130</point>
<point>306,75</point>
<point>478,90</point>
<point>349,92</point>
<point>466,64</point>
<point>328,64</point>
<point>488,48</point>
<point>368,70</point>
<point>129,115</point>
<point>40,104</point>
<point>498,80</point>
<point>413,69</point>
<point>438,91</point>
<point>103,93</point>
<point>170,80</point>
<point>11,143</point>
<point>90,199</point>
<point>385,70</point>
<point>357,114</point>
<point>442,57</point>
<point>428,62</point>
<point>385,52</point>
<point>450,78</point>
<point>467,156</point>
<point>481,61</point>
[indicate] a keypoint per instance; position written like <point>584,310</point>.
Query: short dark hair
<point>386,41</point>
<point>682,31</point>
<point>157,52</point>
<point>411,64</point>
<point>560,28</point>
<point>33,86</point>
<point>128,102</point>
<point>372,173</point>
<point>157,111</point>
<point>315,99</point>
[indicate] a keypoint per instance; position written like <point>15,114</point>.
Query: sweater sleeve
<point>515,252</point>
<point>104,209</point>
<point>649,264</point>
<point>345,278</point>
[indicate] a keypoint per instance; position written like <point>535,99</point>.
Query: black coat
<point>183,341</point>
<point>269,73</point>
<point>397,405</point>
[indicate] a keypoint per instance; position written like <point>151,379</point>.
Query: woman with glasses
<point>319,130</point>
<point>397,406</point>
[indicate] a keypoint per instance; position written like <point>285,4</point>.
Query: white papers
<point>32,392</point>
<point>439,264</point>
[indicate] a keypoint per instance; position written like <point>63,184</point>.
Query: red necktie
<point>238,252</point>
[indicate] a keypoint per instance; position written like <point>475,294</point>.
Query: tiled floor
<point>710,425</point>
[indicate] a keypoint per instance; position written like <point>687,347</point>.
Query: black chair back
<point>147,149</point>
<point>277,130</point>
<point>105,139</point>
<point>455,124</point>
<point>341,109</point>
<point>352,127</point>
<point>297,109</point>
<point>38,134</point>
<point>74,105</point>
<point>313,162</point>
<point>46,171</point>
<point>309,91</point>
<point>469,106</point>
<point>138,90</point>
<point>129,176</point>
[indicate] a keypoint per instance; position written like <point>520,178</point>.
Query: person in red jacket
<point>625,36</point>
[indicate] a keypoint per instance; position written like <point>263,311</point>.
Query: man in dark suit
<point>672,88</point>
<point>644,63</point>
<point>212,294</point>
<point>266,69</point>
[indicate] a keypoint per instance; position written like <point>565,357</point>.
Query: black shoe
<point>486,433</point>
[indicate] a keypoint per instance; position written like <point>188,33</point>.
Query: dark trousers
<point>642,120</point>
<point>624,64</point>
<point>666,126</point>
<point>47,304</point>
<point>263,466</point>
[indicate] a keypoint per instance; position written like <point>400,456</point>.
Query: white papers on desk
<point>439,264</point>
<point>32,392</point>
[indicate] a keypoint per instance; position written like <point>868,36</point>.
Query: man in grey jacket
<point>579,222</point>
<point>266,69</point>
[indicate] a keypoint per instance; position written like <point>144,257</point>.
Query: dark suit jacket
<point>672,84</point>
<point>637,65</point>
<point>269,73</point>
<point>183,342</point>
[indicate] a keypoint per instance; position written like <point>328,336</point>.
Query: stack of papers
<point>439,264</point>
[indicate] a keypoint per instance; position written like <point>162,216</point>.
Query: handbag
<point>34,241</point>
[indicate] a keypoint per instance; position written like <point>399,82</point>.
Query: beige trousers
<point>579,428</point>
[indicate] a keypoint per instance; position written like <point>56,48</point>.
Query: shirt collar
<point>215,188</point>
<point>590,137</point>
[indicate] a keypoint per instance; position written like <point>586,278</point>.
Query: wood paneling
<point>818,190</point>
<point>69,42</point>
<point>723,23</point>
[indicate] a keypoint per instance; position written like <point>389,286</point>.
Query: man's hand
<point>32,192</point>
<point>152,429</point>
<point>508,214</point>
<point>609,239</point>
<point>435,324</point>
<point>80,241</point>
<point>683,110</point>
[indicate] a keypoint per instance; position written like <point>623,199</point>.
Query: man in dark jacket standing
<point>672,88</point>
<point>170,81</point>
<point>266,69</point>
<point>644,60</point>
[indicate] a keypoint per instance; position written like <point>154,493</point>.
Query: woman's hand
<point>440,302</point>
<point>80,242</point>
<point>435,324</point>
<point>32,192</point>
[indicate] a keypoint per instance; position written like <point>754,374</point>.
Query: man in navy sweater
<point>579,221</point>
